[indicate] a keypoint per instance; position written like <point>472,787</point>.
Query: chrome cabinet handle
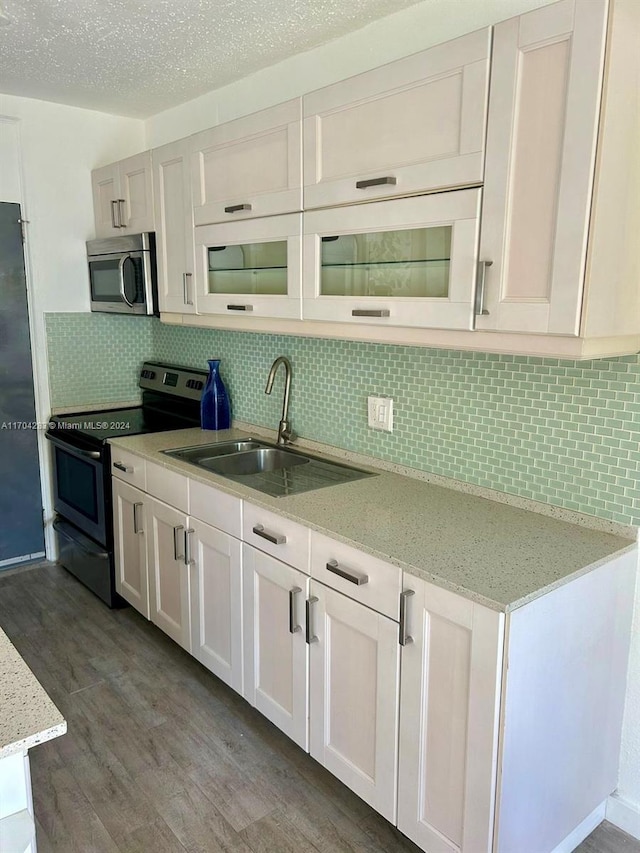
<point>235,208</point>
<point>376,182</point>
<point>185,287</point>
<point>405,639</point>
<point>188,559</point>
<point>136,526</point>
<point>121,203</point>
<point>293,628</point>
<point>351,576</point>
<point>275,538</point>
<point>478,307</point>
<point>239,307</point>
<point>310,637</point>
<point>176,537</point>
<point>121,467</point>
<point>370,312</point>
<point>113,213</point>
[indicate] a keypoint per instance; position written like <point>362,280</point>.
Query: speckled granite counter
<point>27,714</point>
<point>499,555</point>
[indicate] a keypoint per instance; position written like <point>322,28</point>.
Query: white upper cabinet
<point>123,196</point>
<point>403,262</point>
<point>174,223</point>
<point>414,125</point>
<point>542,144</point>
<point>249,167</point>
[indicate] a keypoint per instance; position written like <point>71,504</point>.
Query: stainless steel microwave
<point>122,274</point>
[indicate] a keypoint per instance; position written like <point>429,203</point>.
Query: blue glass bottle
<point>215,411</point>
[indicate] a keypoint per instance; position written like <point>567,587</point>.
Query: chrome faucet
<point>285,434</point>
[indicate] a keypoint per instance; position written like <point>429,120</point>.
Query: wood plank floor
<point>160,756</point>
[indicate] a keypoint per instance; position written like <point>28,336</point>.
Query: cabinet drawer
<point>168,486</point>
<point>128,467</point>
<point>260,529</point>
<point>357,575</point>
<point>216,508</point>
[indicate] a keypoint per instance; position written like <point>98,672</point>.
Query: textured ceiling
<point>139,57</point>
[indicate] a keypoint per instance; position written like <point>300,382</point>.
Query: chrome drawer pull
<point>235,208</point>
<point>405,639</point>
<point>376,182</point>
<point>351,576</point>
<point>275,538</point>
<point>293,628</point>
<point>188,559</point>
<point>122,467</point>
<point>310,637</point>
<point>136,526</point>
<point>239,307</point>
<point>370,312</point>
<point>176,536</point>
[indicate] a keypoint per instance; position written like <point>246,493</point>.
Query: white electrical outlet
<point>380,413</point>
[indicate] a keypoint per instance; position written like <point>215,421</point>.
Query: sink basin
<point>276,471</point>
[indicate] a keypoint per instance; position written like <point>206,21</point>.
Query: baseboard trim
<point>624,815</point>
<point>582,830</point>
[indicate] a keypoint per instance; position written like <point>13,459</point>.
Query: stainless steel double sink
<point>274,470</point>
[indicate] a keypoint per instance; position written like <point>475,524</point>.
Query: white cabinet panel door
<point>276,655</point>
<point>136,192</point>
<point>105,187</point>
<point>216,601</point>
<point>546,82</point>
<point>174,227</point>
<point>129,527</point>
<point>449,706</point>
<point>354,671</point>
<point>169,600</point>
<point>411,126</point>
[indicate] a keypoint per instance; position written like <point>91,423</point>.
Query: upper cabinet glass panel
<point>411,263</point>
<point>248,268</point>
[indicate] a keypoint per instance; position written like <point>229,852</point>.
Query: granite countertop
<point>27,714</point>
<point>499,555</point>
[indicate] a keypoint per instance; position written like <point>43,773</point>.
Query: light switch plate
<point>380,413</point>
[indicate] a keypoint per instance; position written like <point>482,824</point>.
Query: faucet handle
<point>285,434</point>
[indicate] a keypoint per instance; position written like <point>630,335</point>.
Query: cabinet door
<point>449,706</point>
<point>546,83</point>
<point>169,600</point>
<point>136,194</point>
<point>105,187</point>
<point>249,167</point>
<point>406,262</point>
<point>174,227</point>
<point>129,527</point>
<point>410,126</point>
<point>216,601</point>
<point>354,669</point>
<point>250,268</point>
<point>276,657</point>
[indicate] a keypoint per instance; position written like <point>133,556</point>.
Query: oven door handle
<point>89,454</point>
<point>65,530</point>
<point>121,264</point>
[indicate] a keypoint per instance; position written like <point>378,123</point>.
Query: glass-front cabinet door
<point>408,262</point>
<point>251,268</point>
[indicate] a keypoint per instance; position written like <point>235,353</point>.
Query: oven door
<point>78,488</point>
<point>121,282</point>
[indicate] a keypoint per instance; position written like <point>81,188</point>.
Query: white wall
<point>47,152</point>
<point>408,31</point>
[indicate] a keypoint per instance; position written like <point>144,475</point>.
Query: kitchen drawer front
<point>217,508</point>
<point>129,467</point>
<point>260,527</point>
<point>373,582</point>
<point>168,486</point>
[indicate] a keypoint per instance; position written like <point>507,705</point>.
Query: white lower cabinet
<point>276,658</point>
<point>169,599</point>
<point>216,601</point>
<point>130,545</point>
<point>355,676</point>
<point>449,706</point>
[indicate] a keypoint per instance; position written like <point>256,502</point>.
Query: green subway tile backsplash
<point>561,432</point>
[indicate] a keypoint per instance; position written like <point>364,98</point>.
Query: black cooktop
<point>102,425</point>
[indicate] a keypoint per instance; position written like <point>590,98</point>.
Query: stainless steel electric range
<point>82,468</point>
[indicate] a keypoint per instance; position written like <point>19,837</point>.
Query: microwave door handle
<point>121,264</point>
